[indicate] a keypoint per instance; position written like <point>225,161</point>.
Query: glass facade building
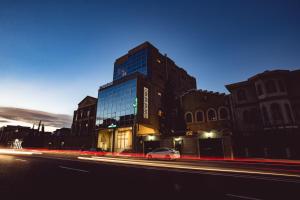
<point>115,104</point>
<point>135,63</point>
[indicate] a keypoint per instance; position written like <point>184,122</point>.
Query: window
<point>199,116</point>
<point>288,112</point>
<point>265,115</point>
<point>276,112</point>
<point>281,86</point>
<point>136,62</point>
<point>160,113</point>
<point>241,95</point>
<point>270,86</point>
<point>115,104</point>
<point>211,114</point>
<point>223,113</point>
<point>259,89</point>
<point>188,117</point>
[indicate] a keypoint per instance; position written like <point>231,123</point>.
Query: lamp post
<point>135,109</point>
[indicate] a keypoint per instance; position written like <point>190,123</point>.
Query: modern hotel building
<point>139,105</point>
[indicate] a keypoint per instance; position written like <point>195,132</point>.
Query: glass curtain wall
<point>115,105</point>
<point>135,63</point>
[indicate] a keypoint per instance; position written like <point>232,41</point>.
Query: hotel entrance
<point>123,139</point>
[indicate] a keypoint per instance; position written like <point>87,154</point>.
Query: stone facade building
<point>207,116</point>
<point>83,125</point>
<point>266,114</point>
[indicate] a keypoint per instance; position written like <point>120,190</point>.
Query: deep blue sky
<point>53,53</point>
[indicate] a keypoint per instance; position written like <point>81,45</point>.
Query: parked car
<point>163,153</point>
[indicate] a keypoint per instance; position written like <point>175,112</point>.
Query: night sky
<point>53,53</point>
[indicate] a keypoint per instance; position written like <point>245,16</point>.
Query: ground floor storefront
<point>211,145</point>
<point>116,140</point>
<point>190,145</point>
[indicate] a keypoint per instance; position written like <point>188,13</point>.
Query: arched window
<point>241,95</point>
<point>199,116</point>
<point>188,117</point>
<point>288,112</point>
<point>276,112</point>
<point>270,86</point>
<point>223,113</point>
<point>211,114</point>
<point>265,115</point>
<point>259,89</point>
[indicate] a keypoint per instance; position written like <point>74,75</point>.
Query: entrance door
<point>212,147</point>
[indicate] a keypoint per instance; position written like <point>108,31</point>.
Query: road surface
<point>83,176</point>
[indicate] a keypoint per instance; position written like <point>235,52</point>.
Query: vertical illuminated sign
<point>146,97</point>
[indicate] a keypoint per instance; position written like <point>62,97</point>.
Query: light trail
<point>14,152</point>
<point>184,167</point>
<point>18,152</point>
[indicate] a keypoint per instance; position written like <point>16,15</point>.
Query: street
<point>59,176</point>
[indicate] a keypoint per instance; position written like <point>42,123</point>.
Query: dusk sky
<point>54,53</point>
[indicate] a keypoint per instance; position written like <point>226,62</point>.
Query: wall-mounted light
<point>151,137</point>
<point>208,134</point>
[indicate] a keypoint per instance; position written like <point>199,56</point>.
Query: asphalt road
<point>52,176</point>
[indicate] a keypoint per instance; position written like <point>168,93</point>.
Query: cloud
<point>34,116</point>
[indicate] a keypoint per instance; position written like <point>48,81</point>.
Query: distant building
<point>208,122</point>
<point>83,125</point>
<point>84,117</point>
<point>138,107</point>
<point>60,139</point>
<point>9,133</point>
<point>266,108</point>
<point>29,137</point>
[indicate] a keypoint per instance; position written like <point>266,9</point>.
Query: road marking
<point>21,160</point>
<point>73,169</point>
<point>242,197</point>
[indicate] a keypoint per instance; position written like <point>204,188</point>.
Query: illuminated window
<point>160,113</point>
<point>158,61</point>
<point>211,114</point>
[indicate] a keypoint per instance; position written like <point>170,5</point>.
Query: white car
<point>163,153</point>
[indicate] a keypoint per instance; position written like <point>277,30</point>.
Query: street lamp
<point>135,109</point>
